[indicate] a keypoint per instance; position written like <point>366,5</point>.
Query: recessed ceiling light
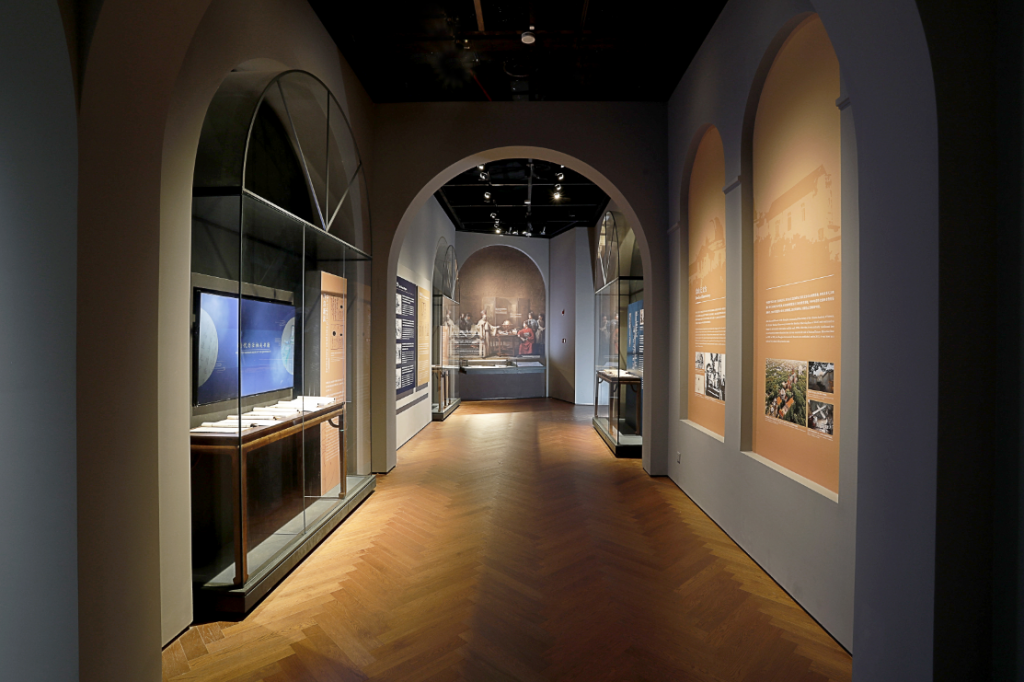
<point>558,195</point>
<point>528,38</point>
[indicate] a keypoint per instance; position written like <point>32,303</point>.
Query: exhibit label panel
<point>706,286</point>
<point>405,337</point>
<point>423,337</point>
<point>798,260</point>
<point>635,339</point>
<point>333,363</point>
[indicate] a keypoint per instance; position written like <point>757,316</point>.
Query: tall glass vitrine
<point>445,389</point>
<point>280,328</point>
<point>619,341</point>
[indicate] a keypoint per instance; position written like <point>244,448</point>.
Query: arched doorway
<point>384,433</point>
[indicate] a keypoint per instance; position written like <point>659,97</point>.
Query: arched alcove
<point>797,278</point>
<point>279,310</point>
<point>704,289</point>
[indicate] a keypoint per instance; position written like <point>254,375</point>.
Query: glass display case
<point>280,327</point>
<point>444,352</point>
<point>619,343</point>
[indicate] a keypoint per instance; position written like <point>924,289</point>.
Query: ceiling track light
<point>560,176</point>
<point>487,196</point>
<point>558,188</point>
<point>494,215</point>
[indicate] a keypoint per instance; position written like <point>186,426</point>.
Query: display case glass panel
<point>619,343</point>
<point>445,317</point>
<point>280,410</point>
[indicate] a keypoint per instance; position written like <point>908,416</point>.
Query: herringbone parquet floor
<point>509,544</point>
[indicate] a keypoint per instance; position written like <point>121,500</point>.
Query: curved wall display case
<point>619,343</point>
<point>445,315</point>
<point>280,326</point>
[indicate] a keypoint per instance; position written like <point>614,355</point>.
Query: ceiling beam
<point>479,16</point>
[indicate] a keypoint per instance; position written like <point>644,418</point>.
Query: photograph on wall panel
<point>798,261</point>
<point>706,285</point>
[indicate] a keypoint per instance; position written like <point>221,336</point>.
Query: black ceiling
<point>471,50</point>
<point>555,205</point>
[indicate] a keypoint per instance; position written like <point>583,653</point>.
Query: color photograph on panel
<point>798,260</point>
<point>706,285</point>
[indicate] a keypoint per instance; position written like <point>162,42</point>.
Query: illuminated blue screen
<point>266,342</point>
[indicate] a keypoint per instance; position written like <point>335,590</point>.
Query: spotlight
<point>558,188</point>
<point>480,167</point>
<point>497,230</point>
<point>483,176</point>
<point>528,37</point>
<point>487,196</point>
<point>543,230</point>
<point>560,176</point>
<point>558,195</point>
<point>527,202</point>
<point>494,215</point>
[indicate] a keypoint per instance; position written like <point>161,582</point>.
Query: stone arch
<point>384,433</point>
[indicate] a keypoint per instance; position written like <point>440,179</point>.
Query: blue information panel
<point>635,342</point>
<point>266,333</point>
<point>405,337</point>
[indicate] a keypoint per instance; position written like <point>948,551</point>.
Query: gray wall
<point>879,599</point>
<point>562,320</point>
<point>586,321</point>
<point>38,196</point>
<point>416,264</point>
<point>803,539</point>
<point>571,372</point>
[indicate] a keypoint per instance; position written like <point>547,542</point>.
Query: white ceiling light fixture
<point>528,37</point>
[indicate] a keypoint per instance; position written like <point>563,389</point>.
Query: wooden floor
<point>508,544</point>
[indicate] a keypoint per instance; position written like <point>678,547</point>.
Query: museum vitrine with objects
<point>445,317</point>
<point>619,338</point>
<point>280,331</point>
